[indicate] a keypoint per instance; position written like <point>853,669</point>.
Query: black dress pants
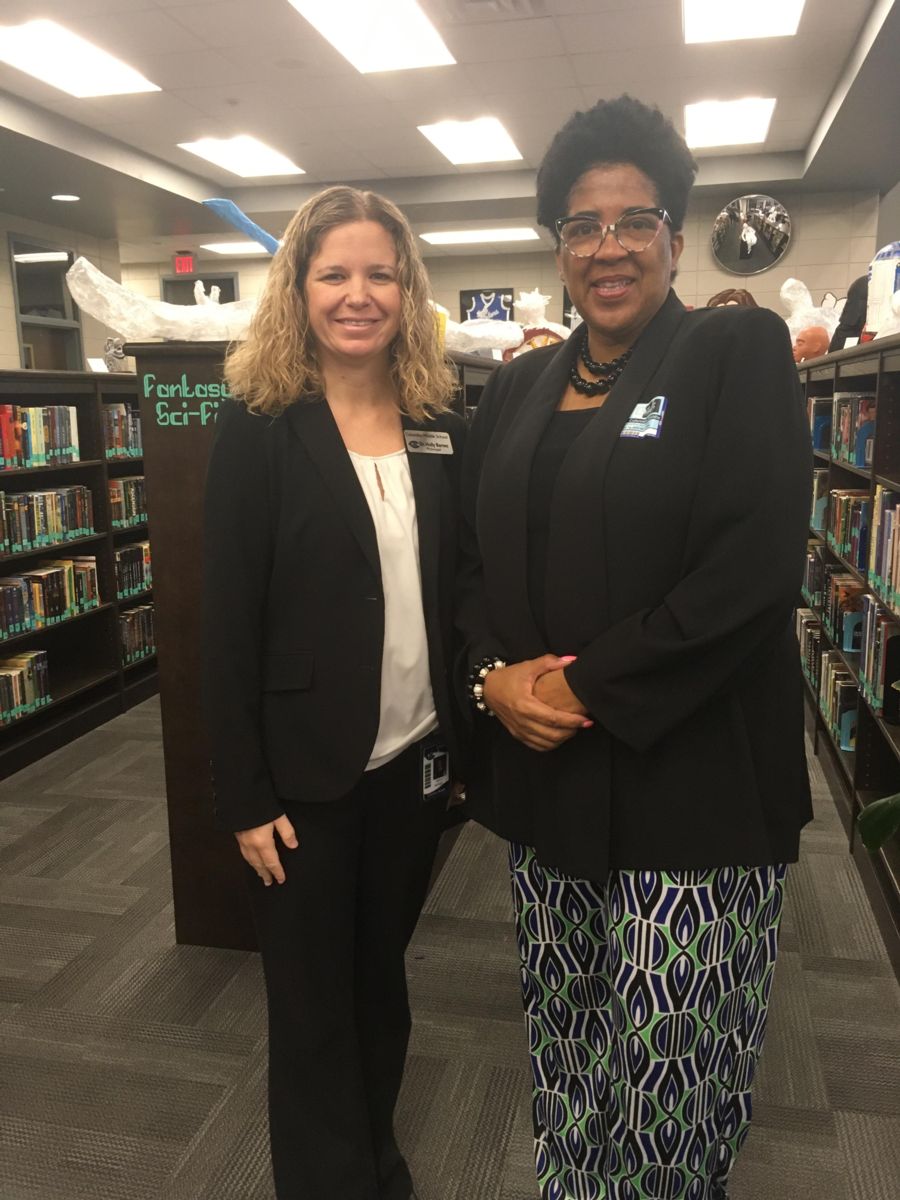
<point>332,939</point>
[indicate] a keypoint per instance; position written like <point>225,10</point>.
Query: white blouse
<point>407,705</point>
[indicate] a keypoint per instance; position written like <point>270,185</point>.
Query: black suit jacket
<point>294,608</point>
<point>674,566</point>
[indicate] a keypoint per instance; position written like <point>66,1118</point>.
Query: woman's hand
<point>553,689</point>
<point>510,693</point>
<point>259,850</point>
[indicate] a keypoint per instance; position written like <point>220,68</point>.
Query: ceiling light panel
<point>715,21</point>
<point>377,35</point>
<point>480,141</point>
<point>66,61</point>
<point>466,237</point>
<point>234,248</point>
<point>727,122</point>
<point>44,256</point>
<point>243,155</point>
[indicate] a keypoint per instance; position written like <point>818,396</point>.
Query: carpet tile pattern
<point>133,1069</point>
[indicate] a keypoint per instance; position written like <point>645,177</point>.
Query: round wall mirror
<point>750,234</point>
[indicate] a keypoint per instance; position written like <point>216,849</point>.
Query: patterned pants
<point>645,1004</point>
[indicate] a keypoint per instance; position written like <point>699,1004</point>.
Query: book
<point>38,435</point>
<point>820,410</point>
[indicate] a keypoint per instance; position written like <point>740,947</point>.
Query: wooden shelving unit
<point>873,769</point>
<point>89,683</point>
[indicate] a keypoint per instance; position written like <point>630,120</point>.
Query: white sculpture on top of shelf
<point>137,318</point>
<point>803,314</point>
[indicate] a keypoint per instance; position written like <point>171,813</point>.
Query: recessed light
<point>714,21</point>
<point>65,199</point>
<point>461,237</point>
<point>727,122</point>
<point>479,141</point>
<point>66,61</point>
<point>243,155</point>
<point>43,257</point>
<point>235,248</point>
<point>392,35</point>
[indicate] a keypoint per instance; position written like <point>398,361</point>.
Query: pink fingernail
<point>587,724</point>
<point>569,657</point>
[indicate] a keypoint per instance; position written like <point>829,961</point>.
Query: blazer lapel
<point>503,501</point>
<point>314,425</point>
<point>426,472</point>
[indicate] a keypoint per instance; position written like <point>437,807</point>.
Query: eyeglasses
<point>635,230</point>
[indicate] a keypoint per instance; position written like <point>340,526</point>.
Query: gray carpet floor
<point>133,1069</point>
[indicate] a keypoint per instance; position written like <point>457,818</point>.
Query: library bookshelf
<point>871,769</point>
<point>91,675</point>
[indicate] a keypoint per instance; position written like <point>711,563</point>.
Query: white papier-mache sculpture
<point>531,313</point>
<point>803,314</point>
<point>473,337</point>
<point>137,318</point>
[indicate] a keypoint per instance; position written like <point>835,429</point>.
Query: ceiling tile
<point>498,41</point>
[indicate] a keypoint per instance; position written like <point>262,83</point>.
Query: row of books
<point>818,513</point>
<point>810,637</point>
<point>33,520</point>
<point>38,436</point>
<point>813,574</point>
<point>853,428</point>
<point>879,662</point>
<point>134,572</point>
<point>838,699</point>
<point>24,685</point>
<point>127,502</point>
<point>137,635</point>
<point>884,549</point>
<point>842,595</point>
<point>122,431</point>
<point>819,409</point>
<point>848,525</point>
<point>50,592</point>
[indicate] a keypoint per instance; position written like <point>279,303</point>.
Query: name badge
<point>427,441</point>
<point>646,420</point>
<point>434,760</point>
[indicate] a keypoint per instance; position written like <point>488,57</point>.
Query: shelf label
<point>205,395</point>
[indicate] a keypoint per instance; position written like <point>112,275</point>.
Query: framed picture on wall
<point>486,304</point>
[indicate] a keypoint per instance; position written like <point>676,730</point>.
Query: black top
<point>294,606</point>
<point>559,435</point>
<point>673,567</point>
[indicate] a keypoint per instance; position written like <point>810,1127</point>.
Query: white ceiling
<point>230,67</point>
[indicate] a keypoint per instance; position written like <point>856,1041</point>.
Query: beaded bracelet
<point>476,679</point>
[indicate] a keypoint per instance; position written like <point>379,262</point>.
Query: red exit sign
<point>184,264</point>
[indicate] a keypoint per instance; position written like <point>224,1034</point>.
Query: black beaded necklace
<point>609,372</point>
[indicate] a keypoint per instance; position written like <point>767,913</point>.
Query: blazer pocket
<point>287,672</point>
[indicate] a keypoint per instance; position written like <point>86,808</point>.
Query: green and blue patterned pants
<point>645,1004</point>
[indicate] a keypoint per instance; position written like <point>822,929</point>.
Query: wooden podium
<point>180,388</point>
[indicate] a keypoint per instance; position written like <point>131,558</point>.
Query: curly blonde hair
<point>278,364</point>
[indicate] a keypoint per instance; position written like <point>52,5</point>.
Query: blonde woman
<point>331,515</point>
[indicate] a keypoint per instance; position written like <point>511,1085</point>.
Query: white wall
<point>889,217</point>
<point>834,239</point>
<point>146,278</point>
<point>103,254</point>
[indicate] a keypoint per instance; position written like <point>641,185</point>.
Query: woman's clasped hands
<point>535,703</point>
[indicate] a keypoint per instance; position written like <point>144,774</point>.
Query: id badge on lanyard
<point>434,761</point>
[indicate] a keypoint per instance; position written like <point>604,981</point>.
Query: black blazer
<point>294,608</point>
<point>674,566</point>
